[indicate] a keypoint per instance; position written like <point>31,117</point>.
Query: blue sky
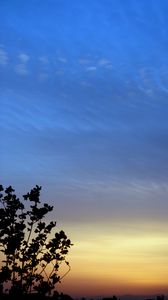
<point>84,112</point>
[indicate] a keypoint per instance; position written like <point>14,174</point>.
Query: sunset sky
<point>84,114</point>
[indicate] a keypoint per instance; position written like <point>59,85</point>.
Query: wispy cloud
<point>21,69</point>
<point>24,58</point>
<point>62,59</point>
<point>83,61</point>
<point>44,60</point>
<point>104,62</point>
<point>92,68</point>
<point>3,57</point>
<point>86,84</point>
<point>60,72</point>
<point>42,76</point>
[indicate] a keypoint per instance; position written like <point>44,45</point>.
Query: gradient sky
<point>84,113</point>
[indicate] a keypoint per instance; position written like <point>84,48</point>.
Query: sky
<point>84,114</point>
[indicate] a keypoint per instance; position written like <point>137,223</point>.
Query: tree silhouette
<point>32,252</point>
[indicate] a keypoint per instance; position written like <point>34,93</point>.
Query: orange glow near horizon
<point>117,261</point>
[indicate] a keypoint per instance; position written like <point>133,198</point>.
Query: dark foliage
<point>31,251</point>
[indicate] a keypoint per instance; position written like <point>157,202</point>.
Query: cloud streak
<point>3,57</point>
<point>21,69</point>
<point>24,58</point>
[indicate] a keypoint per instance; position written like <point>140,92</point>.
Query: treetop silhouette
<point>31,251</point>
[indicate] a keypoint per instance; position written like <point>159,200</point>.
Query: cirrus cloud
<point>24,58</point>
<point>3,57</point>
